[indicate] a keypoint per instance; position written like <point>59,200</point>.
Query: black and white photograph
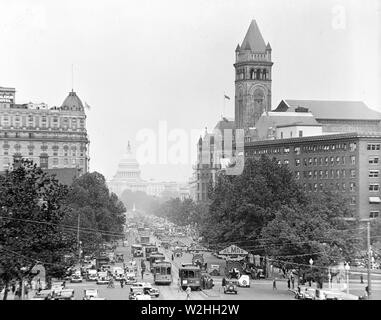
<point>204,151</point>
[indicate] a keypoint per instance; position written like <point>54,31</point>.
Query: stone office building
<point>53,137</point>
<point>347,163</point>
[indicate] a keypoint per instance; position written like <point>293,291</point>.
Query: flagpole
<point>224,102</point>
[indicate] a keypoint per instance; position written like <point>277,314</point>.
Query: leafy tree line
<point>182,213</point>
<point>39,215</point>
<point>265,211</point>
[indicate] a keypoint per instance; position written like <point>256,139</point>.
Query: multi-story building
<point>348,163</point>
<point>53,137</point>
<point>208,161</point>
<point>327,144</point>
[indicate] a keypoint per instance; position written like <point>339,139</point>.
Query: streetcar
<point>162,272</point>
<point>137,250</point>
<point>149,249</point>
<point>190,276</point>
<point>156,257</point>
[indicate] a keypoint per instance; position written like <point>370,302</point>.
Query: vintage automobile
<point>75,278</point>
<point>231,286</point>
<point>90,293</point>
<point>305,294</point>
<point>92,275</point>
<point>43,295</point>
<point>64,294</point>
<point>103,278</point>
<point>131,278</point>
<point>137,293</point>
<point>244,281</point>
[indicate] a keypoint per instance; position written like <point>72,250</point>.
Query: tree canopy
<point>101,213</point>
<point>31,214</point>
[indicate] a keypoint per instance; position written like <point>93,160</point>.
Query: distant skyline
<point>137,63</point>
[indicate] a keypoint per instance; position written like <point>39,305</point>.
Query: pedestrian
<point>289,284</point>
<point>274,284</point>
<point>188,292</point>
<point>142,273</point>
<point>172,257</point>
<point>223,282</point>
<point>293,282</point>
<point>122,283</point>
<point>361,278</point>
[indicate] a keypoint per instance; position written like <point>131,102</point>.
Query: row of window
<point>326,174</point>
<point>339,186</point>
<point>333,161</point>
<point>305,149</point>
<point>30,120</point>
<point>54,153</point>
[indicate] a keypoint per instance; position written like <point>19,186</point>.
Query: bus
<point>162,272</point>
<point>149,249</point>
<point>137,250</point>
<point>190,276</point>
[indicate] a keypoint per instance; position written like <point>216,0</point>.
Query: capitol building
<point>128,177</point>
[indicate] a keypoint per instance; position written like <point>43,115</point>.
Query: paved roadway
<point>259,289</point>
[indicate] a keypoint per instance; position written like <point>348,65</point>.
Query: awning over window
<point>374,200</point>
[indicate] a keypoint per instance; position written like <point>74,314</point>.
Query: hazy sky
<point>140,62</point>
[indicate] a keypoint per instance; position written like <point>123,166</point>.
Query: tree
<point>240,206</point>
<point>315,230</point>
<point>101,212</point>
<point>31,213</point>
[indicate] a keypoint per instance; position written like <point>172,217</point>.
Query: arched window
<point>252,73</point>
<point>258,74</point>
<point>264,72</point>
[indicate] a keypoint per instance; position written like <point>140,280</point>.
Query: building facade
<point>252,78</point>
<point>52,137</point>
<point>346,163</point>
<point>331,145</point>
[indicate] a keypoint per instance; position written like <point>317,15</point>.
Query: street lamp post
<point>329,279</point>
<point>347,271</point>
<point>311,263</point>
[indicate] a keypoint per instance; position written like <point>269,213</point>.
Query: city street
<point>259,289</point>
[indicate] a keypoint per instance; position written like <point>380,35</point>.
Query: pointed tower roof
<point>238,48</point>
<point>253,40</point>
<point>268,47</point>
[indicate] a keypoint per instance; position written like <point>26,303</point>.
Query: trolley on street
<point>162,272</point>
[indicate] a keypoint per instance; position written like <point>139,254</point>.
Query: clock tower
<point>253,78</point>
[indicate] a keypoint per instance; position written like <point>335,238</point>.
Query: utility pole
<point>369,259</point>
<point>79,247</point>
<point>369,252</point>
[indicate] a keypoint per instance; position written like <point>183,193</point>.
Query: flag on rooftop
<point>227,97</point>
